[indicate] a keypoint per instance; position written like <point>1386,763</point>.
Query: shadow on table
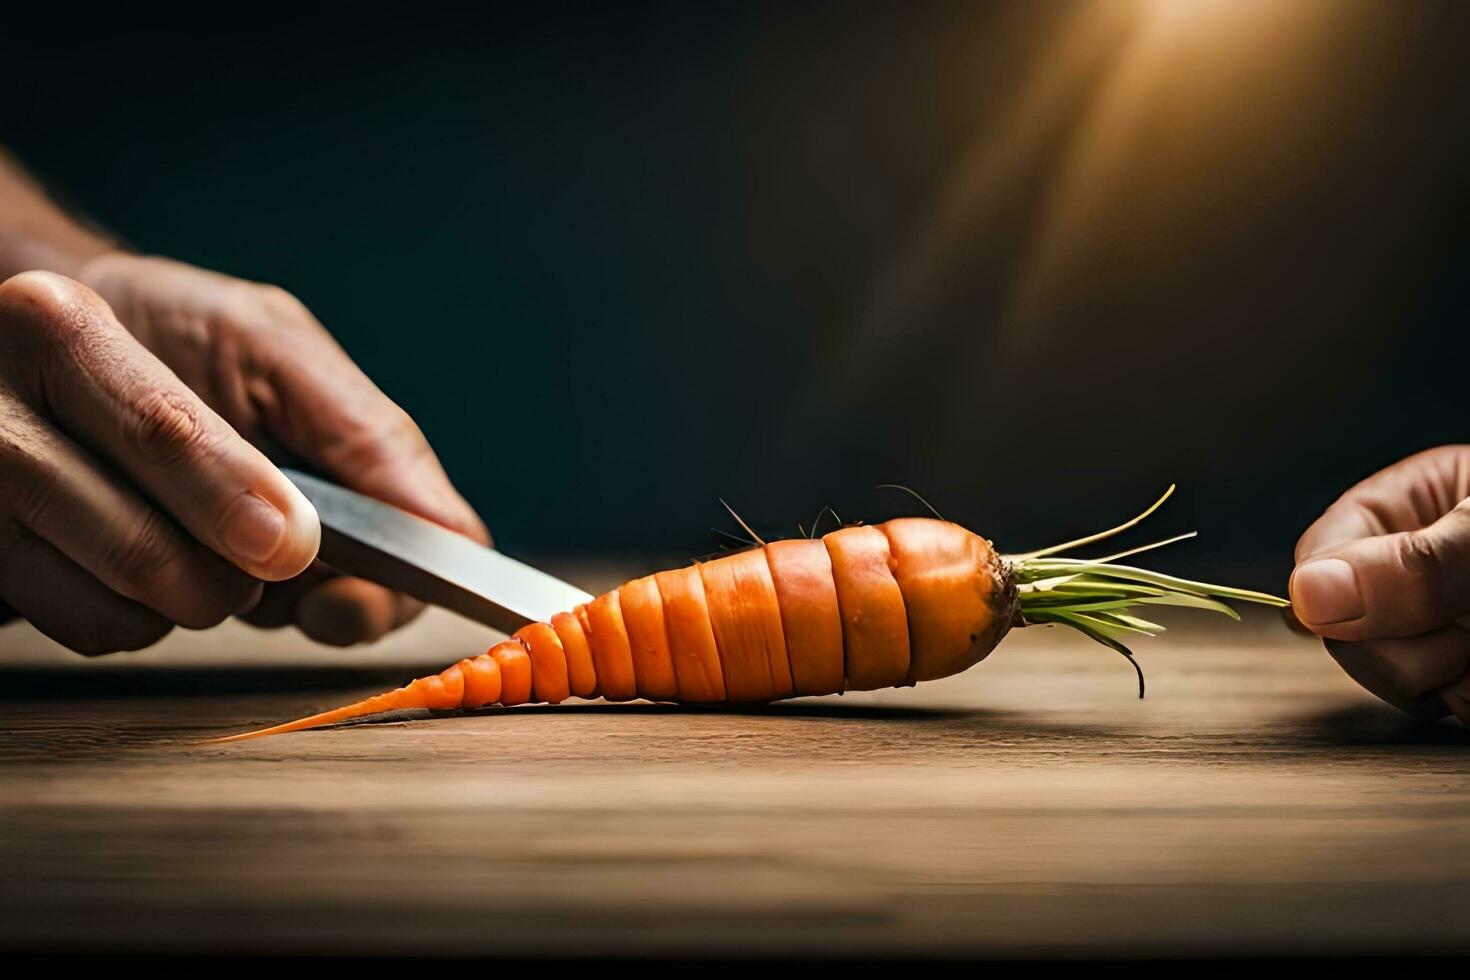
<point>904,729</point>
<point>134,722</point>
<point>126,682</point>
<point>1380,725</point>
<point>96,681</point>
<point>784,709</point>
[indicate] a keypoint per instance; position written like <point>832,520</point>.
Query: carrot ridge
<point>611,652</point>
<point>515,671</point>
<point>643,616</point>
<point>875,628</point>
<point>746,618</point>
<point>581,672</point>
<point>698,673</point>
<point>810,619</point>
<point>549,681</point>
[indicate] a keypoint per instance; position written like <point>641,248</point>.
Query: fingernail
<point>252,529</point>
<point>1325,591</point>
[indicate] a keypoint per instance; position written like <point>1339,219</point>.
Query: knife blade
<point>370,539</point>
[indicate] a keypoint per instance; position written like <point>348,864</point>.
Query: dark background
<point>1034,260</point>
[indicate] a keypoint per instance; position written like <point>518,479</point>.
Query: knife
<point>367,538</point>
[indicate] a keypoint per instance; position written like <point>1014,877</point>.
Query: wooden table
<point>1256,802</point>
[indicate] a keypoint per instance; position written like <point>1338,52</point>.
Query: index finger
<point>331,414</point>
<point>1407,496</point>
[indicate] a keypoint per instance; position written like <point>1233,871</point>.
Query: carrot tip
<point>403,697</point>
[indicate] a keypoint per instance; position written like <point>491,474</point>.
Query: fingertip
<point>345,611</point>
<point>306,532</point>
<point>1457,704</point>
<point>448,508</point>
<point>475,528</point>
<point>1325,594</point>
<point>424,490</point>
<point>405,610</point>
<point>299,537</point>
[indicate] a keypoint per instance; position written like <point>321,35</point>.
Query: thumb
<point>1389,585</point>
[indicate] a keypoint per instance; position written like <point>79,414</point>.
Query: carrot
<point>481,680</point>
<point>863,607</point>
<point>515,673</point>
<point>548,662</point>
<point>810,617</point>
<point>697,668</point>
<point>581,673</point>
<point>444,690</point>
<point>874,622</point>
<point>612,654</point>
<point>746,618</point>
<point>643,615</point>
<point>952,591</point>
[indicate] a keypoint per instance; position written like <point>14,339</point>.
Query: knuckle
<point>166,428</point>
<point>377,439</point>
<point>32,482</point>
<point>1419,555</point>
<point>53,305</point>
<point>1422,562</point>
<point>274,296</point>
<point>404,434</point>
<point>35,494</point>
<point>139,559</point>
<point>39,292</point>
<point>277,306</point>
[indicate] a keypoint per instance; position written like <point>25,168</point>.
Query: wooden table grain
<point>1255,803</point>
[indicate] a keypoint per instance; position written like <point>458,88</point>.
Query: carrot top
<point>1098,597</point>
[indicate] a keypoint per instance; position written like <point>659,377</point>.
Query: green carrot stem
<point>1097,597</point>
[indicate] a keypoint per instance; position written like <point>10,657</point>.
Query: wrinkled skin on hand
<point>258,358</point>
<point>1384,577</point>
<point>127,506</point>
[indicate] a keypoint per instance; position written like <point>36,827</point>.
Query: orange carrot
<point>548,662</point>
<point>612,654</point>
<point>581,673</point>
<point>691,637</point>
<point>863,607</point>
<point>515,672</point>
<point>810,617</point>
<point>643,615</point>
<point>951,590</point>
<point>746,617</point>
<point>481,680</point>
<point>874,622</point>
<point>443,690</point>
